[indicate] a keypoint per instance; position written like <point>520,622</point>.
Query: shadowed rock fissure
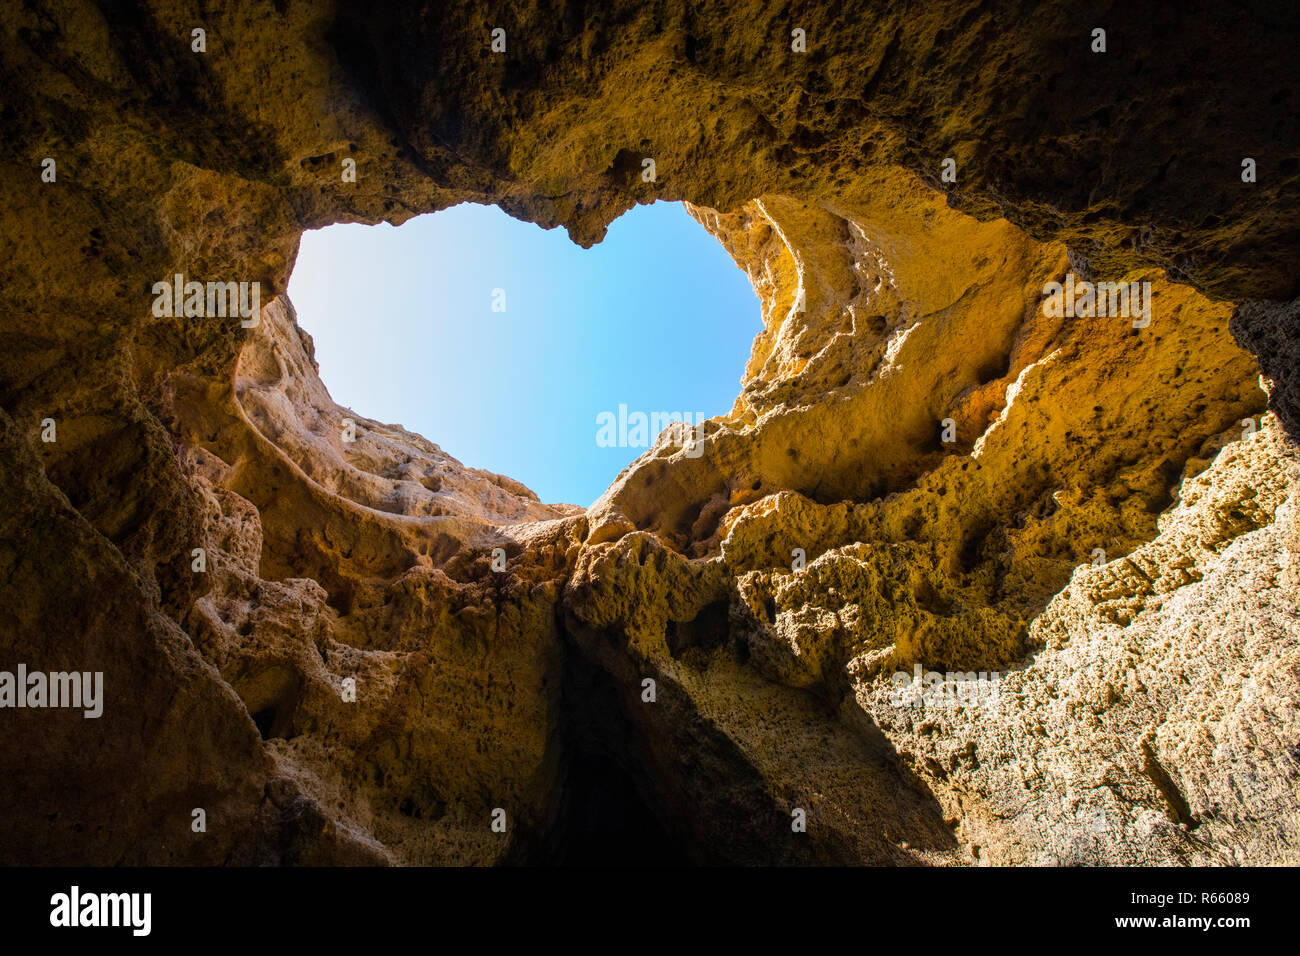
<point>626,793</point>
<point>607,806</point>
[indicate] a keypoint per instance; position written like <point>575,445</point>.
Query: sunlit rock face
<point>828,539</point>
<point>379,652</point>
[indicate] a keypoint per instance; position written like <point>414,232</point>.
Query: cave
<point>607,808</point>
<point>351,648</point>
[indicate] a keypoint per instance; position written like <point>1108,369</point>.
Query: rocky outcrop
<point>365,651</point>
<point>1078,441</point>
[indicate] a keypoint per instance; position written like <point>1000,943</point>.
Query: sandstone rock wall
<point>1146,704</point>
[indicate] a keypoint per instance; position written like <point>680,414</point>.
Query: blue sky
<point>656,317</point>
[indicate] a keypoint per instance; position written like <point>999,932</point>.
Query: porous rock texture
<point>1112,531</point>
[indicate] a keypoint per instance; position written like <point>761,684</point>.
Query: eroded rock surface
<point>1112,532</point>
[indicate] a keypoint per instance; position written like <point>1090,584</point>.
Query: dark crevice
<point>265,721</point>
<point>706,631</point>
<point>604,820</point>
<point>1176,804</point>
<point>644,783</point>
<point>606,811</point>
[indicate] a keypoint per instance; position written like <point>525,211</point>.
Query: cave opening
<point>514,349</point>
<point>605,820</point>
<point>608,808</point>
